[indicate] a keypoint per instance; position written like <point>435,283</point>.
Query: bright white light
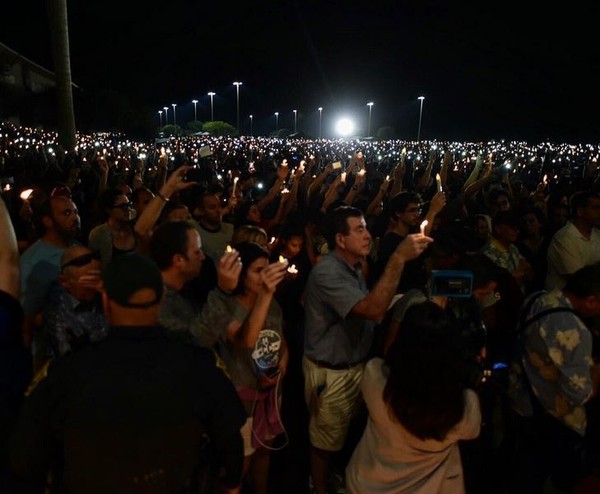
<point>344,127</point>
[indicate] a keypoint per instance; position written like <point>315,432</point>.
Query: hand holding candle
<point>26,194</point>
<point>438,181</point>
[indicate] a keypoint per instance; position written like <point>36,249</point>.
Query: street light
<point>370,105</point>
<point>295,121</point>
<point>276,121</point>
<point>212,116</point>
<point>160,118</point>
<point>250,125</point>
<point>320,120</point>
<point>195,101</point>
<point>237,88</point>
<point>420,117</point>
<point>174,115</point>
<point>166,109</point>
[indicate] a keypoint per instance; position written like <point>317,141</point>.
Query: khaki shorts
<point>332,397</point>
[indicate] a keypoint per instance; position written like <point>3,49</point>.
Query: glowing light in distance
<point>344,127</point>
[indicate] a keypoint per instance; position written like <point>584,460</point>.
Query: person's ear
<point>340,240</point>
<point>47,221</point>
<point>63,280</point>
<point>106,305</point>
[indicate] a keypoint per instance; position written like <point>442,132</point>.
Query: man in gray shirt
<point>340,315</point>
<point>176,248</point>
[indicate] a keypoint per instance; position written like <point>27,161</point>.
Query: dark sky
<point>488,70</point>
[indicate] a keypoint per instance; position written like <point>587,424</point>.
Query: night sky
<point>488,70</point>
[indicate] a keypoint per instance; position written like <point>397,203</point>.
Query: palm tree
<point>59,33</point>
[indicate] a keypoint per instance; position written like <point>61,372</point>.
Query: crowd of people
<point>179,315</point>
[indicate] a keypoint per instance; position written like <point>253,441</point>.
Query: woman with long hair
<point>254,351</point>
<point>419,407</point>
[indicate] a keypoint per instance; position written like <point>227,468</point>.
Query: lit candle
<point>26,194</point>
<point>387,178</point>
<point>283,260</point>
<point>228,249</point>
<point>438,181</point>
<point>235,181</point>
<point>343,177</point>
<point>272,240</point>
<point>545,179</point>
<point>292,269</point>
<point>423,225</point>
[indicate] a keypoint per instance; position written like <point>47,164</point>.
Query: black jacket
<point>130,414</point>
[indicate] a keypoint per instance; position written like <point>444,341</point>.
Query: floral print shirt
<point>556,355</point>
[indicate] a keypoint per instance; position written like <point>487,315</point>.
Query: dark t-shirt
<point>414,274</point>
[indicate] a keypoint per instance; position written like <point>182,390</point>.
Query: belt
<point>340,366</point>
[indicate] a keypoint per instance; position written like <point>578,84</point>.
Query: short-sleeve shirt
<point>40,266</point>
<point>332,333</point>
<point>569,251</point>
<point>214,242</point>
<point>556,356</point>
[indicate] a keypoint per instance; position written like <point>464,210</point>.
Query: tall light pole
<point>420,117</point>
<point>237,90</point>
<point>276,121</point>
<point>166,109</point>
<point>160,118</point>
<point>370,105</point>
<point>295,121</point>
<point>250,125</point>
<point>195,101</point>
<point>320,120</point>
<point>212,115</point>
<point>174,115</point>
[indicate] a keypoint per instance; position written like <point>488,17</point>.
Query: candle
<point>283,260</point>
<point>438,181</point>
<point>228,249</point>
<point>272,240</point>
<point>423,225</point>
<point>26,194</point>
<point>387,178</point>
<point>343,177</point>
<point>545,179</point>
<point>235,181</point>
<point>292,269</point>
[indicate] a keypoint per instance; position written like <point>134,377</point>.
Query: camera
<point>451,283</point>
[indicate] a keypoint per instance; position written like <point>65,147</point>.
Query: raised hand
<point>272,275</point>
<point>412,246</point>
<point>228,271</point>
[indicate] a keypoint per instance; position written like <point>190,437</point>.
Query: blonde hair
<point>249,233</point>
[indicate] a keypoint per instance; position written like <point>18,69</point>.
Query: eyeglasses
<point>123,207</point>
<point>82,260</point>
<point>414,210</point>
